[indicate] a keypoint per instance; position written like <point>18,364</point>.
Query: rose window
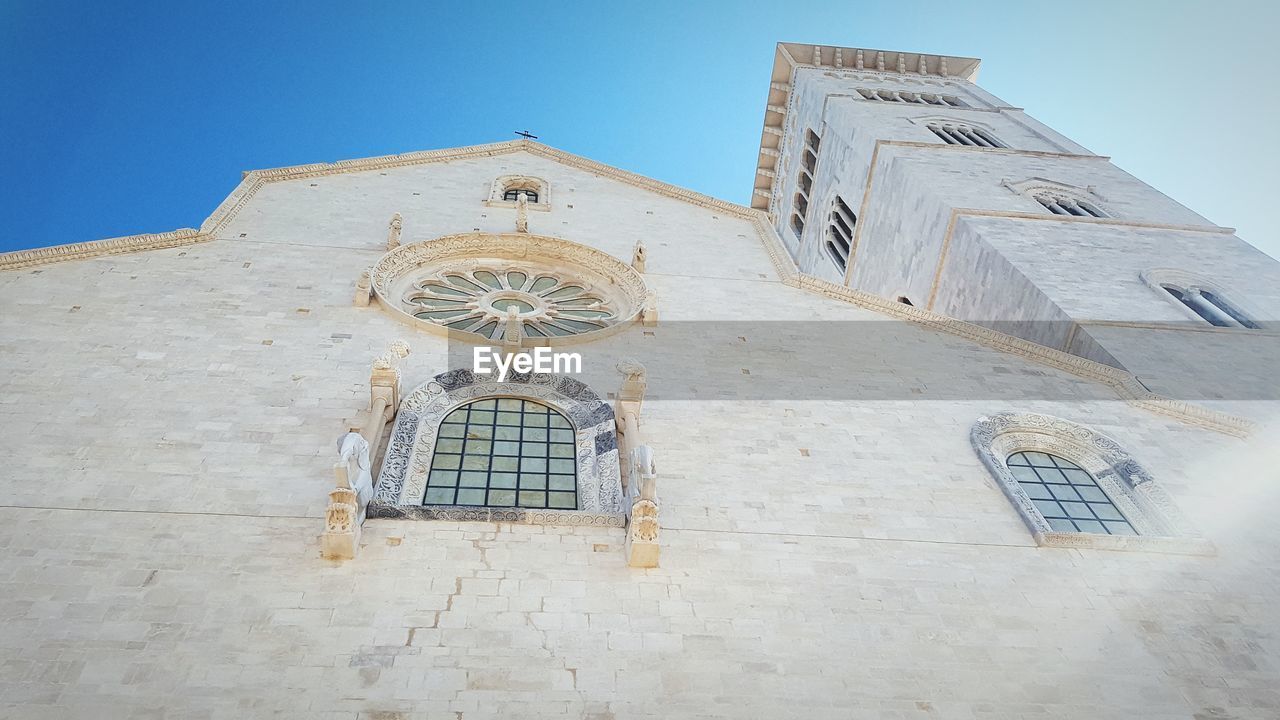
<point>511,287</point>
<point>483,300</point>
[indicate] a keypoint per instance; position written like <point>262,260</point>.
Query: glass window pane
<point>1049,508</point>
<point>1077,510</point>
<point>470,496</point>
<point>1093,494</point>
<point>1024,474</point>
<point>1107,511</point>
<point>439,496</point>
<point>448,445</point>
<point>446,461</point>
<point>1036,491</point>
<point>1078,477</point>
<point>533,481</point>
<point>502,480</point>
<point>1092,526</point>
<point>534,498</point>
<point>443,478</point>
<point>502,498</point>
<point>1038,459</point>
<point>1119,528</point>
<point>1061,525</point>
<point>564,500</point>
<point>1063,492</point>
<point>478,463</point>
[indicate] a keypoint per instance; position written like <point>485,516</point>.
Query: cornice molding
<point>20,259</point>
<point>254,180</point>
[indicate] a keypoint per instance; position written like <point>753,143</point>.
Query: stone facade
<point>832,546</point>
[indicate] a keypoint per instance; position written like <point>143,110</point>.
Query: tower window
<point>1068,497</point>
<point>904,96</point>
<point>1210,307</point>
<point>804,181</point>
<point>960,134</point>
<point>840,234</point>
<point>504,452</point>
<point>1066,205</point>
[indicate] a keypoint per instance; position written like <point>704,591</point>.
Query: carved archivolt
<point>1126,482</point>
<point>472,286</point>
<point>405,467</point>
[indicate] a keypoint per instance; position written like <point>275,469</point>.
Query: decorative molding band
<point>254,180</point>
<point>20,259</point>
<point>1180,326</point>
<point>1124,384</point>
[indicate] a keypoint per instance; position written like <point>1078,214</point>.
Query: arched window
<point>953,133</point>
<point>840,234</point>
<point>1199,297</point>
<point>1075,487</point>
<point>804,181</point>
<point>513,194</point>
<point>1066,495</point>
<point>1063,204</point>
<point>504,452</point>
<point>538,448</point>
<point>507,190</point>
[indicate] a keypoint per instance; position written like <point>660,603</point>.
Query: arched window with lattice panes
<point>504,452</point>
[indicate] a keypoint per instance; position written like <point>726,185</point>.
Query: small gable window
<point>513,195</point>
<point>507,190</point>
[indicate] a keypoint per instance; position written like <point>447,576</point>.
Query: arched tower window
<point>1199,297</point>
<point>954,133</point>
<point>804,181</point>
<point>504,452</point>
<point>840,234</point>
<point>1063,204</point>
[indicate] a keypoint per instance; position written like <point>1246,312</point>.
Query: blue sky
<point>120,118</point>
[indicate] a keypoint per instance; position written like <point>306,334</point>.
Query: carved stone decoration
<point>463,286</point>
<point>522,214</point>
<point>649,315</point>
<point>393,232</point>
<point>638,256</point>
<point>1151,511</point>
<point>402,481</point>
<point>643,528</point>
<point>364,289</point>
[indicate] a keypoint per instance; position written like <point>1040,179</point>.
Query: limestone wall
<point>827,554</point>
